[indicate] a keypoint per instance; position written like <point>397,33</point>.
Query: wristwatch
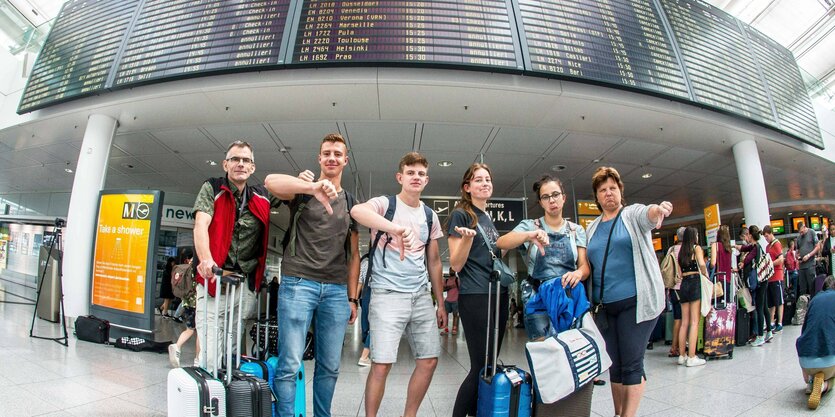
<point>356,301</point>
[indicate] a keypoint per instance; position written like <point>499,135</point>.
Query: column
<point>751,183</point>
<point>81,218</point>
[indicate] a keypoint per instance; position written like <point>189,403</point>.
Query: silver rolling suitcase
<point>192,391</point>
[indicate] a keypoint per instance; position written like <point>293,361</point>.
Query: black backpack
<point>289,239</point>
<point>389,216</point>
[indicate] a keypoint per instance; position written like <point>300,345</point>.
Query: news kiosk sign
<point>124,263</point>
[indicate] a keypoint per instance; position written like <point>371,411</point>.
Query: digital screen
<point>177,38</point>
<point>778,227</point>
<point>79,52</point>
<point>448,32</point>
<point>613,41</point>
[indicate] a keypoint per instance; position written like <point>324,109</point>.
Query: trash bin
<point>49,304</point>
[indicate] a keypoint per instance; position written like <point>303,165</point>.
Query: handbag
<point>563,364</point>
<point>718,290</point>
<point>598,309</point>
<point>92,329</point>
<point>764,266</point>
<point>501,269</point>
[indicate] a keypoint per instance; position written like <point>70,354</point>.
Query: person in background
<point>692,261</point>
<point>791,269</point>
<point>827,249</point>
<point>775,283</point>
<point>189,303</point>
<point>365,301</point>
<point>451,301</point>
<point>633,293</point>
<point>674,300</point>
<point>807,248</point>
<point>470,257</point>
<point>165,290</point>
<point>816,346</point>
<point>752,249</point>
<point>721,253</point>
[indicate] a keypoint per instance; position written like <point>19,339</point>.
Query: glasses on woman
<point>547,197</point>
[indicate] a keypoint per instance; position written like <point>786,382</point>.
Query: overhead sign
<point>712,222</point>
<point>815,222</point>
<point>587,208</point>
<point>585,221</point>
<point>124,273</point>
<point>506,213</point>
<point>178,216</point>
<point>796,222</point>
<point>778,226</point>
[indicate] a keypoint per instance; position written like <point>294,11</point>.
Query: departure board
<point>795,113</point>
<point>720,65</point>
<point>620,42</point>
<point>182,37</point>
<point>473,33</point>
<point>78,53</point>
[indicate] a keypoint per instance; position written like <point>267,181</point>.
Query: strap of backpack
<point>389,215</point>
<point>294,220</point>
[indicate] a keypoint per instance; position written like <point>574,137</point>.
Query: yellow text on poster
<point>121,254</point>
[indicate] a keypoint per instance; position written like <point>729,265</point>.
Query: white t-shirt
<point>410,274</point>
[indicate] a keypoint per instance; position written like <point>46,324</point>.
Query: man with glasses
<point>231,227</point>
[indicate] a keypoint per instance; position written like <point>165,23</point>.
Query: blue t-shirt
<point>620,267</point>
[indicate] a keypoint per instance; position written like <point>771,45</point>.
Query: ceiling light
<point>210,162</point>
<point>68,171</point>
<point>790,213</point>
<point>445,164</point>
<point>647,175</point>
<point>558,168</point>
<point>596,160</point>
<point>273,211</point>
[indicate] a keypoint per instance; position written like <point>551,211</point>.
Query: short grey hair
<point>680,233</point>
<point>829,283</point>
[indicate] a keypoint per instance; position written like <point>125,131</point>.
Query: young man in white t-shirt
<point>400,279</point>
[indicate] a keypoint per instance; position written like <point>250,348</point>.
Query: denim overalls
<point>558,259</point>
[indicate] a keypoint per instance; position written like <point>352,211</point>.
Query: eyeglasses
<point>238,160</point>
<point>546,197</point>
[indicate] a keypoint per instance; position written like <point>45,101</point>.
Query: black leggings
<point>472,308</point>
<point>626,341</point>
<point>762,317</point>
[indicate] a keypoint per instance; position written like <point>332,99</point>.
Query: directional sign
<point>506,213</point>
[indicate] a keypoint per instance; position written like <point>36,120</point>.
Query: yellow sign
<point>585,221</point>
<point>825,223</point>
<point>656,244</point>
<point>796,221</point>
<point>587,208</point>
<point>121,252</point>
<point>712,220</point>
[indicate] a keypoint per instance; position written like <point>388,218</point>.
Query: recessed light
<point>273,211</point>
<point>68,171</point>
<point>445,164</point>
<point>596,160</point>
<point>647,175</point>
<point>210,162</point>
<point>790,213</point>
<point>558,168</point>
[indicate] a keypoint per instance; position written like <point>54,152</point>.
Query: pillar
<point>81,217</point>
<point>751,183</point>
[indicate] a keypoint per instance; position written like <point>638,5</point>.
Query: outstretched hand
<point>325,192</point>
<point>540,239</point>
<point>407,238</point>
<point>465,231</point>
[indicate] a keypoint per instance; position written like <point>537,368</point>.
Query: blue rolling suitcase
<point>300,408</point>
<point>502,390</point>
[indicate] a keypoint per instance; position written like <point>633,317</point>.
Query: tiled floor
<point>40,377</point>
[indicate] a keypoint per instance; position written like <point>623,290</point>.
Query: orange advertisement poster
<point>121,253</point>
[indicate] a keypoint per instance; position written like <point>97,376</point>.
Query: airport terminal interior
<point>113,114</point>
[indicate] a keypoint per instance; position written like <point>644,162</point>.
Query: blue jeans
<point>299,300</point>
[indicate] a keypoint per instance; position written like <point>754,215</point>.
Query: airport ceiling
<point>691,162</point>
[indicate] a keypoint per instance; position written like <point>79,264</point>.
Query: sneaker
<point>759,341</point>
<point>752,339</point>
<point>364,362</point>
<point>682,360</point>
<point>695,361</point>
<point>817,390</point>
<point>778,328</point>
<point>768,337</point>
<point>174,355</point>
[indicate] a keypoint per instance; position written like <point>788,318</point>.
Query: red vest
<point>223,225</point>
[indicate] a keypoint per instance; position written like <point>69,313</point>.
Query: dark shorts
<point>775,294</point>
<point>691,289</point>
<point>188,317</point>
<point>451,307</point>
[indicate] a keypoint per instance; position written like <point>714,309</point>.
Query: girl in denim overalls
<point>555,250</point>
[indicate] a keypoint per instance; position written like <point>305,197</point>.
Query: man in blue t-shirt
<point>400,299</point>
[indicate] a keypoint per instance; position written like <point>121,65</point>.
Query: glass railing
<point>819,90</point>
<point>17,33</point>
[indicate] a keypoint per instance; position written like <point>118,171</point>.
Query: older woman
<point>627,289</point>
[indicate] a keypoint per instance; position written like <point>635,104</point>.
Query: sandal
<point>454,331</point>
<point>673,353</point>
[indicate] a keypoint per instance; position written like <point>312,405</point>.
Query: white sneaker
<point>174,355</point>
<point>682,359</point>
<point>364,362</point>
<point>695,361</point>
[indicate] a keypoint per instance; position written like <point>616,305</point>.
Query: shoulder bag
<point>598,309</point>
<point>499,267</point>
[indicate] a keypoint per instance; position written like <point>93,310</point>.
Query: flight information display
<point>720,65</point>
<point>613,41</point>
<point>795,113</point>
<point>181,37</point>
<point>448,32</point>
<point>79,53</point>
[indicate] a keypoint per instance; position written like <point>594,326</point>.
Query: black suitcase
<point>248,396</point>
<point>92,329</point>
<point>788,312</point>
<point>743,327</point>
